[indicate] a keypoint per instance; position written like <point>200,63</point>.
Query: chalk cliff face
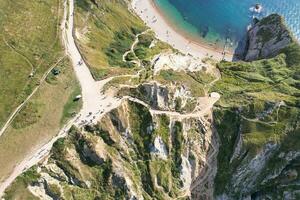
<point>267,38</point>
<point>129,154</point>
<point>258,165</point>
<point>163,97</point>
<point>258,118</point>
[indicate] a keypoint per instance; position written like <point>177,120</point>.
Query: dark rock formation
<point>265,39</point>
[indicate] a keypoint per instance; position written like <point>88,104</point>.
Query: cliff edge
<point>266,38</point>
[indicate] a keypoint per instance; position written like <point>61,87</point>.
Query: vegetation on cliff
<point>115,159</point>
<point>259,107</point>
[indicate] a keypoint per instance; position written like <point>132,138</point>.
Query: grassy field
<point>29,43</point>
<point>40,119</point>
<point>264,80</point>
<point>105,31</point>
<point>195,81</point>
<point>29,46</point>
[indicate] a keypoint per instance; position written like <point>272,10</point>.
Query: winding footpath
<point>131,50</point>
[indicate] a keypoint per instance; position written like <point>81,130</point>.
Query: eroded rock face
<point>159,148</point>
<point>267,38</point>
<point>157,95</point>
<point>268,171</point>
<point>163,97</point>
<point>130,154</point>
<point>178,62</point>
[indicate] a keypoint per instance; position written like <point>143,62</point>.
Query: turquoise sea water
<point>216,21</point>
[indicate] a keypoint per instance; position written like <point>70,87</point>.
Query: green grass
<point>248,90</point>
<point>102,178</point>
<point>202,77</point>
<point>111,32</point>
<point>195,82</point>
<point>39,120</point>
<point>107,33</point>
<point>29,40</point>
<point>176,151</point>
<point>163,129</point>
<point>163,176</point>
<point>143,51</point>
<point>116,82</point>
<point>70,155</point>
<point>100,132</point>
<point>18,189</point>
<point>167,76</point>
<point>293,55</point>
<point>28,116</point>
<point>72,107</point>
<point>227,124</point>
<point>122,42</point>
<point>141,120</point>
<point>266,80</point>
<point>54,190</point>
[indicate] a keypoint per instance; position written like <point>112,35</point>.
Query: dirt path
<point>92,97</point>
<point>136,41</point>
<point>195,114</point>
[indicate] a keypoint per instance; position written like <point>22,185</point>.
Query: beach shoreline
<point>166,31</point>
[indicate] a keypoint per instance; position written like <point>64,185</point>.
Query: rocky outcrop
<point>178,62</point>
<point>159,148</point>
<point>266,39</point>
<point>130,154</point>
<point>163,97</point>
<point>269,170</point>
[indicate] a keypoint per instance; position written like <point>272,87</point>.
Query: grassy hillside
<point>29,43</point>
<point>105,30</point>
<point>260,102</point>
<point>40,119</point>
<point>259,111</point>
<point>29,46</point>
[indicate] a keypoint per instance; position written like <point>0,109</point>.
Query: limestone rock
<point>267,38</point>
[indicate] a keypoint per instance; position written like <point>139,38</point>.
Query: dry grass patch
<point>26,135</point>
<point>29,42</point>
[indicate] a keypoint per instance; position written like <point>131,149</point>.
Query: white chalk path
<point>93,100</point>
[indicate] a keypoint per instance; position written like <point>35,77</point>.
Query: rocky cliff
<point>266,38</point>
<point>130,154</point>
<point>258,118</point>
<point>163,97</point>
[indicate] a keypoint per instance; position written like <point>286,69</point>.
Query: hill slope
<point>30,47</point>
<point>257,119</point>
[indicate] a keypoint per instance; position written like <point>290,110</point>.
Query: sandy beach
<point>165,31</point>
